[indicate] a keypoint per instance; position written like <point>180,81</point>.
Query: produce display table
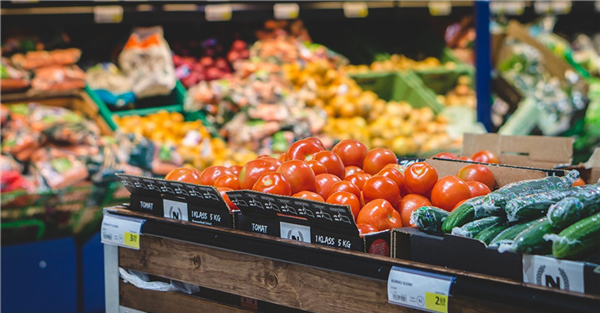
<point>239,271</point>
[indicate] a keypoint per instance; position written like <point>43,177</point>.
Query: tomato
<point>235,169</point>
<point>448,192</point>
<point>324,183</point>
<point>252,170</point>
<point>364,229</point>
<point>332,162</point>
<point>315,140</point>
<point>302,148</point>
<point>271,159</point>
<point>396,176</point>
<point>420,177</point>
<point>230,204</point>
<point>345,186</point>
<point>358,179</point>
<point>380,187</point>
<point>229,181</point>
<point>352,152</point>
<point>579,182</point>
<point>350,170</point>
<point>477,172</point>
<point>317,167</point>
<point>184,174</point>
<point>346,198</point>
<point>274,183</point>
<point>410,203</point>
<point>380,214</point>
<point>465,158</point>
<point>281,157</point>
<point>309,195</point>
<point>299,175</point>
<point>212,173</point>
<point>400,168</point>
<point>377,158</point>
<point>446,155</point>
<point>485,156</point>
<point>478,189</point>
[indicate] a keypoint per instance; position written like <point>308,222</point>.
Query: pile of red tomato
<point>381,193</point>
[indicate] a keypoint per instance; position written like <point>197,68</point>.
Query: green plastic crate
<point>399,86</point>
<point>441,79</point>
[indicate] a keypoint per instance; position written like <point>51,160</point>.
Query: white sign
<point>550,272</point>
<point>175,210</point>
<point>508,7</point>
<point>218,12</point>
<point>295,232</point>
<point>355,9</point>
<point>121,231</point>
<point>286,11</point>
<point>417,289</point>
<point>108,14</point>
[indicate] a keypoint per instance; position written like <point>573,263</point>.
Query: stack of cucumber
<point>539,216</point>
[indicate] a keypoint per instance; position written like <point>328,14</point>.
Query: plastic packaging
<point>571,209</point>
<point>535,205</point>
<point>429,219</point>
<point>142,281</point>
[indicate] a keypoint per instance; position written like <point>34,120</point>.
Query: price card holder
<point>550,272</point>
<point>121,231</point>
<point>418,289</point>
<point>440,8</point>
<point>108,14</point>
<point>355,9</point>
<point>295,232</point>
<point>286,11</point>
<point>218,12</point>
<point>509,7</point>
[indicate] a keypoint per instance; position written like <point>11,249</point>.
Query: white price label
<point>421,290</point>
<point>542,7</point>
<point>121,231</point>
<point>108,14</point>
<point>561,7</point>
<point>286,11</point>
<point>295,232</point>
<point>597,5</point>
<point>175,210</point>
<point>509,7</point>
<point>439,8</point>
<point>355,9</point>
<point>218,12</point>
<point>550,272</point>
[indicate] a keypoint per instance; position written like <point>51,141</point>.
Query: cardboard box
<point>590,170</point>
<point>177,200</point>
<point>472,255</point>
<point>304,220</point>
<point>528,151</point>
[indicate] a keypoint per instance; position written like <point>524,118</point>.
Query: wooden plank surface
<point>286,284</point>
<point>169,302</point>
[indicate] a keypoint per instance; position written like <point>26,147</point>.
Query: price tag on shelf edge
<point>418,289</point>
<point>108,14</point>
<point>286,11</point>
<point>218,12</point>
<point>509,7</point>
<point>439,8</point>
<point>121,231</point>
<point>355,9</point>
<point>550,272</point>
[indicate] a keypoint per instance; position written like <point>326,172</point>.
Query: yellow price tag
<point>132,240</point>
<point>436,302</point>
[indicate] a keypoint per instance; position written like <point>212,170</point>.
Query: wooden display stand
<point>268,274</point>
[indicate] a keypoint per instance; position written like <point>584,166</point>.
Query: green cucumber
<point>569,210</point>
<point>512,232</point>
<point>500,197</point>
<point>429,218</point>
<point>463,214</point>
<point>531,240</point>
<point>471,229</point>
<point>535,205</point>
<point>578,239</point>
<point>488,234</point>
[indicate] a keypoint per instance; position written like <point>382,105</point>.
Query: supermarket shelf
<point>183,236</point>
